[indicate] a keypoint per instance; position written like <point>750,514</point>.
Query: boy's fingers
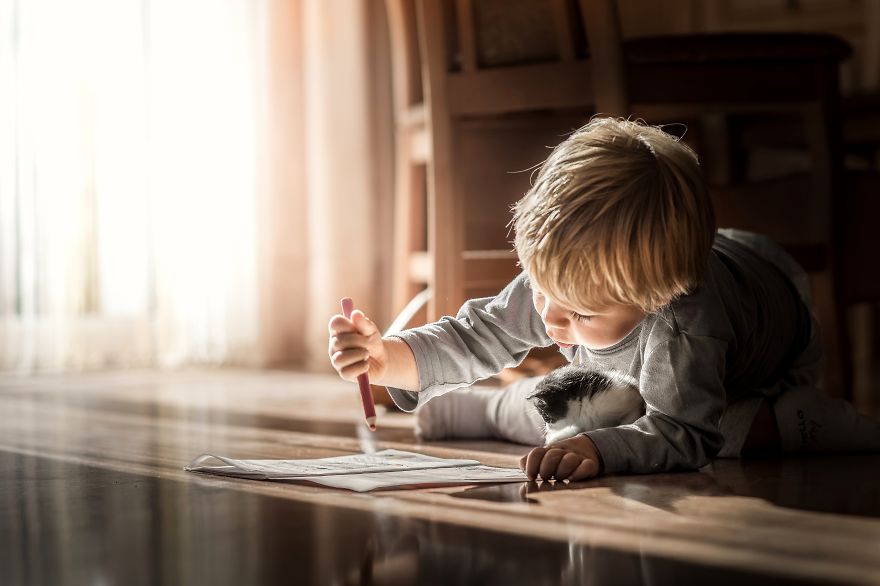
<point>586,469</point>
<point>347,341</point>
<point>533,462</point>
<point>550,462</point>
<point>340,324</point>
<point>567,465</point>
<point>362,323</point>
<point>350,373</point>
<point>345,358</point>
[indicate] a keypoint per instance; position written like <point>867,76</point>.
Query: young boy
<point>625,272</point>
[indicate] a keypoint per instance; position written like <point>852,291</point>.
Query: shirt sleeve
<point>487,336</point>
<point>682,383</point>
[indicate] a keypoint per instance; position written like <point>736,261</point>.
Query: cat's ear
<point>540,404</point>
<point>539,394</point>
<point>538,401</point>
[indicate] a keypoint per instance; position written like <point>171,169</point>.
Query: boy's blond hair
<point>619,214</point>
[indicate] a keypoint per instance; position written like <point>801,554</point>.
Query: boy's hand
<point>356,347</point>
<point>573,459</point>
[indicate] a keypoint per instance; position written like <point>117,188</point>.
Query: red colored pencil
<point>363,379</point>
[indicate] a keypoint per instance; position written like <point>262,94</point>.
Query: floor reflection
<point>843,484</point>
<point>499,493</point>
<point>515,493</point>
<point>208,415</point>
<point>65,523</point>
<point>847,484</point>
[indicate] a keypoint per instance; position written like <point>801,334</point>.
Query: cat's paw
<point>557,435</point>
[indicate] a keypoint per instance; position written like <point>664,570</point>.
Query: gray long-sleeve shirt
<point>734,334</point>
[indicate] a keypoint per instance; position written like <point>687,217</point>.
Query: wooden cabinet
<point>857,21</point>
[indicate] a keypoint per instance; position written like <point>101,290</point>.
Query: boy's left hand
<point>573,459</point>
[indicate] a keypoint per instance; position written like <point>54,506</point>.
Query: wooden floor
<point>92,491</point>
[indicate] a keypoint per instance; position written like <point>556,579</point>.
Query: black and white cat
<point>573,399</point>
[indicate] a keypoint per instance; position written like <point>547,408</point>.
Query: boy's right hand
<point>356,347</point>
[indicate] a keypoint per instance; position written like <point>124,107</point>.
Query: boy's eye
<point>581,317</point>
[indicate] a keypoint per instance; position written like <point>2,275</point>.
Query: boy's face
<point>595,328</point>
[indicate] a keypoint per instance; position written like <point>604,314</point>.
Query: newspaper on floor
<point>361,472</point>
<point>424,478</point>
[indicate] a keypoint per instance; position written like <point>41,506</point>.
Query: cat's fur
<point>573,399</point>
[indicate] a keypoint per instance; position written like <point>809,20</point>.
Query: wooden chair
<point>456,98</point>
<point>695,77</point>
<point>412,152</point>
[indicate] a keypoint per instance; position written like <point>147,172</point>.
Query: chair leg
<point>822,126</point>
<point>864,327</point>
<point>414,308</point>
<point>409,224</point>
<point>837,375</point>
<point>722,151</point>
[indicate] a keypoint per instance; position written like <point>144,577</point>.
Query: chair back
<point>503,80</point>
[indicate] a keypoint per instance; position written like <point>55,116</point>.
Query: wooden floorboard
<point>93,489</point>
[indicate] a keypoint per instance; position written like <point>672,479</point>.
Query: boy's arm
<point>487,336</point>
<point>402,370</point>
<point>682,382</point>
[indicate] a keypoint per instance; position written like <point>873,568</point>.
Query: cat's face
<point>572,400</point>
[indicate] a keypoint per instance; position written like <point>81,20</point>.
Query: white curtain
<point>154,181</point>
